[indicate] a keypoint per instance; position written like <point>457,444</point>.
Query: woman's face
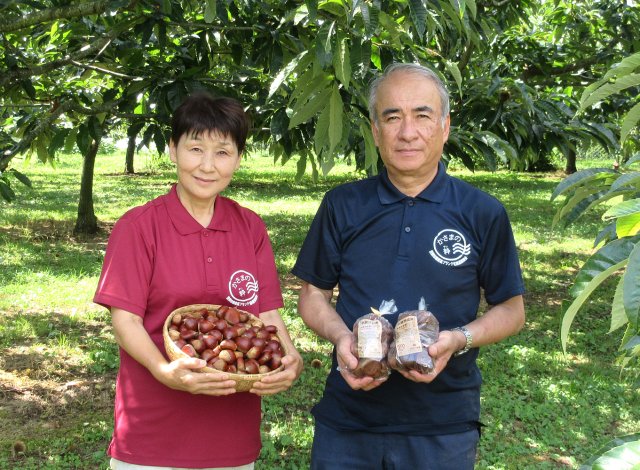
<point>205,164</point>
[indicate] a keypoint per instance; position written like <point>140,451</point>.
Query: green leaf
<point>418,13</point>
<point>611,254</point>
<point>210,12</point>
<point>628,225</point>
<point>335,122</point>
<point>342,63</point>
<point>6,192</point>
<point>585,292</point>
<point>632,206</point>
<point>321,134</point>
<point>631,288</point>
<point>579,178</point>
<point>624,457</point>
<point>633,159</point>
<point>626,182</point>
<point>370,149</point>
<point>310,108</point>
<point>630,121</point>
<point>284,73</point>
<point>618,316</point>
<point>471,5</point>
<point>24,179</point>
<point>618,441</point>
<point>609,89</point>
<point>453,69</point>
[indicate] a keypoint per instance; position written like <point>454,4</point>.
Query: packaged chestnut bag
<point>373,335</point>
<point>415,331</point>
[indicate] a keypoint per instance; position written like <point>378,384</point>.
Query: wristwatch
<point>467,335</point>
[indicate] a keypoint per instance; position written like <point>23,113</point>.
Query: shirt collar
<point>185,224</point>
<point>435,192</point>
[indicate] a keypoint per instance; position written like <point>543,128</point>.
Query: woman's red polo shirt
<point>158,259</point>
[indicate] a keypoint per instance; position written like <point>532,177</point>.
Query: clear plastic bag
<point>374,334</point>
<point>415,331</point>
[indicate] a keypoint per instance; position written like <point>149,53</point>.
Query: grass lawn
<point>542,409</point>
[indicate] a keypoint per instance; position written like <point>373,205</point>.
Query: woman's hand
<point>183,374</point>
<point>283,380</point>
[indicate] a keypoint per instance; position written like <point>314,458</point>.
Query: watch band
<point>468,337</point>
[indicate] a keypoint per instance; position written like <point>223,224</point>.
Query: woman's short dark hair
<point>202,113</point>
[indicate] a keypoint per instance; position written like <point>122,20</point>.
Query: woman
<point>190,246</point>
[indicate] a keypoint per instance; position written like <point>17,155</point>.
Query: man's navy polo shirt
<point>446,245</point>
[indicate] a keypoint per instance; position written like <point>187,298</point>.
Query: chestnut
<point>255,352</point>
<point>272,345</point>
<point>219,364</point>
<point>227,356</point>
<point>228,344</point>
<point>217,334</point>
<point>251,366</point>
<point>198,345</point>
<point>230,332</point>
<point>243,343</point>
<point>207,354</point>
<point>206,326</point>
<point>210,341</point>
<point>174,335</point>
<point>221,324</point>
<point>190,323</point>
<point>260,342</point>
<point>188,350</point>
<point>176,319</point>
<point>263,369</point>
<point>187,334</point>
<point>276,360</point>
<point>272,329</point>
<point>221,311</point>
<point>264,358</point>
<point>232,315</point>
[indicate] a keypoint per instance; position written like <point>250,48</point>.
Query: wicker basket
<point>243,381</point>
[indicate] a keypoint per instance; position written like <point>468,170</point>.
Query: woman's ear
<point>172,151</point>
<point>238,161</point>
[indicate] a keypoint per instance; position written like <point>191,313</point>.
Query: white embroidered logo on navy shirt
<point>450,248</point>
<point>243,289</point>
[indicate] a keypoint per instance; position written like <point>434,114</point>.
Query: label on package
<point>369,334</point>
<point>408,336</point>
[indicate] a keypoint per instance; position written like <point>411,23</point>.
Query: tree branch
<point>8,24</point>
<point>47,121</point>
<point>36,70</point>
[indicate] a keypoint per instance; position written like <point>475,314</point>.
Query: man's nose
<point>408,129</point>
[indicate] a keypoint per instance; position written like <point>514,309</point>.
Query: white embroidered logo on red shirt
<point>243,289</point>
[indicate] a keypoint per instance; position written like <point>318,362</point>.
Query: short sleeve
<point>319,259</point>
<point>126,271</point>
<point>269,282</point>
<point>500,273</point>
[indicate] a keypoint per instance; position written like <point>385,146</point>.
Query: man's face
<point>409,132</point>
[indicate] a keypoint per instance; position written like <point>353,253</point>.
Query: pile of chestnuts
<point>228,339</point>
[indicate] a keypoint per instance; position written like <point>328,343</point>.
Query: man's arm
<point>314,306</point>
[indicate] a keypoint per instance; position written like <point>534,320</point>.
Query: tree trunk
<point>87,223</point>
<point>131,150</point>
<point>570,167</point>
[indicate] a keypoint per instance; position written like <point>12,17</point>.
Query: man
<point>410,232</point>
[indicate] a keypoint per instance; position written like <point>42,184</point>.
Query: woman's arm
<point>181,374</point>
